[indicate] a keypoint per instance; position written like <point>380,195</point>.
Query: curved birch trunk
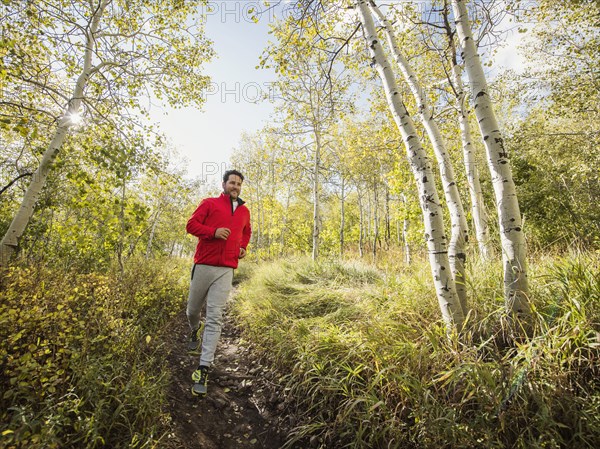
<point>511,233</point>
<point>459,228</point>
<point>432,212</point>
<point>10,241</point>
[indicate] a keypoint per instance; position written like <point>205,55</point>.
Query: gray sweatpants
<point>209,288</point>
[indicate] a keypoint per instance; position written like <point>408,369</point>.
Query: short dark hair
<point>232,172</point>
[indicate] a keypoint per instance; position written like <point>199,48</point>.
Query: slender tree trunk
<point>407,258</point>
<point>388,231</point>
<point>285,219</point>
<point>480,219</point>
<point>342,219</point>
<point>449,302</point>
<point>361,224</point>
<point>11,238</point>
<point>259,214</point>
<point>152,232</point>
<point>121,244</point>
<point>272,203</point>
<point>514,251</point>
<point>369,229</point>
<point>405,232</point>
<point>375,220</point>
<point>459,228</point>
<point>317,163</point>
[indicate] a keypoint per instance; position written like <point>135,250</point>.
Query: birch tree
<point>432,214</point>
<point>460,232</point>
<point>113,52</point>
<point>480,219</point>
<point>514,252</point>
<point>312,94</point>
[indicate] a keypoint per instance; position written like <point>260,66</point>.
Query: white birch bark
<point>459,229</point>
<point>343,217</point>
<point>511,233</point>
<point>450,306</point>
<point>375,220</point>
<point>405,232</point>
<point>317,163</point>
<point>17,227</point>
<point>361,224</point>
<point>480,219</point>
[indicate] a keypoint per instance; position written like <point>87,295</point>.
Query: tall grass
<point>82,363</point>
<point>366,361</point>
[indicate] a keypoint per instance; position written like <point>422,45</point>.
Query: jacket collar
<point>239,200</point>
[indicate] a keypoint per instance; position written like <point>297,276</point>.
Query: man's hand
<point>242,253</point>
<point>222,233</point>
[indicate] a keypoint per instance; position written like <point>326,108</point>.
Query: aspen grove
<point>423,265</point>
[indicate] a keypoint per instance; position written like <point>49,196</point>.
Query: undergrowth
<point>82,363</point>
<point>366,362</point>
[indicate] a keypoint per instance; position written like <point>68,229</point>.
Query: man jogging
<point>222,225</point>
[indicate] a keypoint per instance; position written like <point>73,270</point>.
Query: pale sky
<point>206,138</point>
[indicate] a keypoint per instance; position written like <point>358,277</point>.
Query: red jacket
<point>213,213</point>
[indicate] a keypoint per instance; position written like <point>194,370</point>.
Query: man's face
<point>233,186</point>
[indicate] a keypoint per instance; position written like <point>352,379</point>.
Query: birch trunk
<point>388,231</point>
<point>17,227</point>
<point>511,233</point>
<point>285,219</point>
<point>317,163</point>
<point>405,233</point>
<point>480,219</point>
<point>375,220</point>
<point>342,219</point>
<point>361,224</point>
<point>459,228</point>
<point>421,167</point>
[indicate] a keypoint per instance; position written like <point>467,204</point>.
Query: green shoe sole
<point>199,390</point>
<point>194,345</point>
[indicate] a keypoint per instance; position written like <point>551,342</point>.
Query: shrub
<point>82,358</point>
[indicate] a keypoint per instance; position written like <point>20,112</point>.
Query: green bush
<point>82,361</point>
<point>366,361</point>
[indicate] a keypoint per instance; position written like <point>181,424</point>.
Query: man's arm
<point>246,234</point>
<point>195,224</point>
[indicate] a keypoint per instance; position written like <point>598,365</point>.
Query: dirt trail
<point>241,409</point>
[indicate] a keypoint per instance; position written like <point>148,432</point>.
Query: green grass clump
<point>367,362</point>
<point>82,361</point>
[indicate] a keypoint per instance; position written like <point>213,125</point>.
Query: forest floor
<point>243,408</point>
